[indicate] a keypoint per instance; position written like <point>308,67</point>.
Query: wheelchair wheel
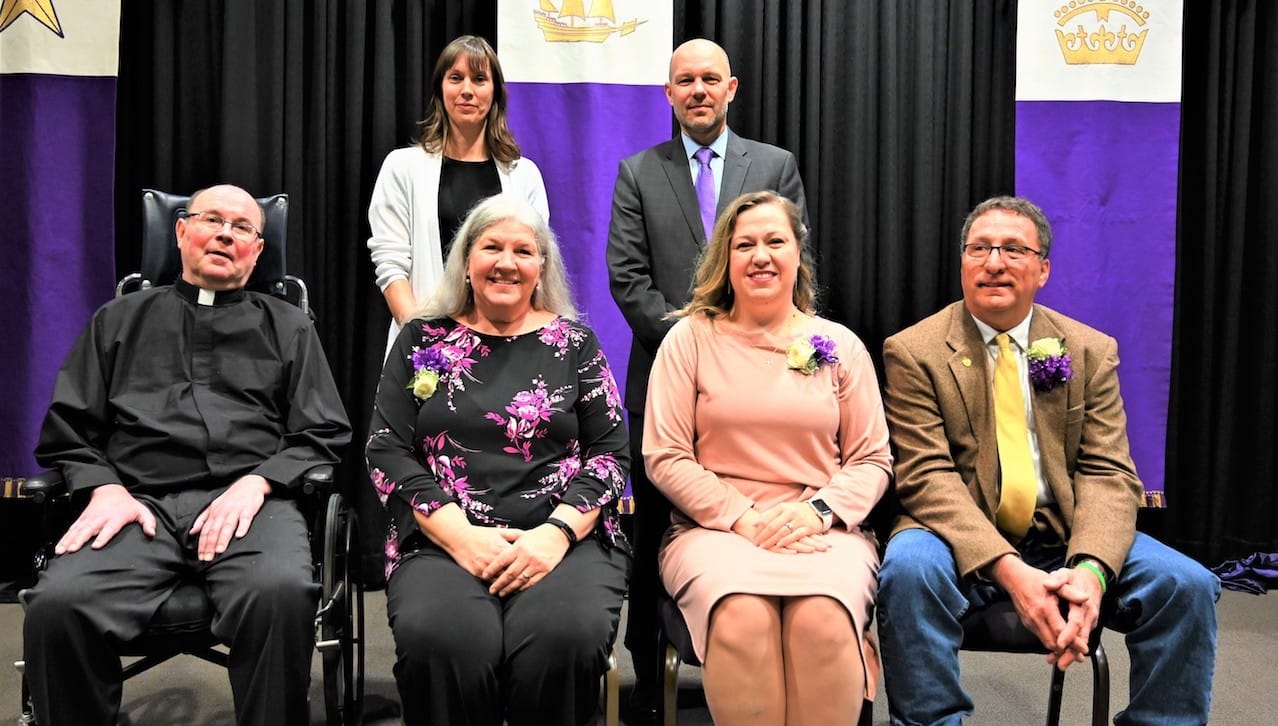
<point>342,618</point>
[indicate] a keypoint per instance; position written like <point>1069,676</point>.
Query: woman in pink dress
<point>765,429</point>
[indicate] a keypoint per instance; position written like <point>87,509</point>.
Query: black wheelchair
<point>182,624</point>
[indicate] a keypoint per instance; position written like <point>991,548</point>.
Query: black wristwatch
<point>824,512</point>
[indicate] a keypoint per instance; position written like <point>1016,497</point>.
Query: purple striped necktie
<point>705,189</point>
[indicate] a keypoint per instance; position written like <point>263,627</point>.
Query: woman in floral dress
<point>498,449</point>
<point>765,429</point>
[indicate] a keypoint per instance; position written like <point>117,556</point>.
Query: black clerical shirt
<point>165,391</point>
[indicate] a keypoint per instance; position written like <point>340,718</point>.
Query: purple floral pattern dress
<point>515,426</point>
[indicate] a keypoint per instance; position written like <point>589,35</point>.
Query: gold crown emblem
<point>1097,43</point>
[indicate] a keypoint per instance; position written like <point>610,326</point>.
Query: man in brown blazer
<point>958,546</point>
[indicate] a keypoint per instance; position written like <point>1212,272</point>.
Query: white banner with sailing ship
<point>587,89</point>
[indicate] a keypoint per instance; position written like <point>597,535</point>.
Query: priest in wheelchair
<point>183,419</point>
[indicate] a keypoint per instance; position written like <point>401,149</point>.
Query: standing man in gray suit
<point>663,209</point>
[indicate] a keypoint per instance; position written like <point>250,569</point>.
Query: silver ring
<point>525,576</point>
<point>789,526</point>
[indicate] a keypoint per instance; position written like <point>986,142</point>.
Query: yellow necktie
<point>1019,484</point>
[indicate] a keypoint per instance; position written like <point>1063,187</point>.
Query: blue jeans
<point>1163,601</point>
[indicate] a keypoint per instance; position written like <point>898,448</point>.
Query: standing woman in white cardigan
<point>465,153</point>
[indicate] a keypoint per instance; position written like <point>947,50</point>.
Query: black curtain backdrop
<point>902,117</point>
<point>1222,459</point>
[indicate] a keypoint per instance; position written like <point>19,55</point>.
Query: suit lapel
<point>1049,417</point>
<point>735,165</point>
<point>969,364</point>
<point>677,168</point>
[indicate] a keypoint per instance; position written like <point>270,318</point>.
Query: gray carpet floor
<point>1007,689</point>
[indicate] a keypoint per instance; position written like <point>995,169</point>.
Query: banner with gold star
<point>58,64</point>
<point>1098,148</point>
<point>587,89</point>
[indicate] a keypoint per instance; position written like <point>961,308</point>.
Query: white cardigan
<point>403,217</point>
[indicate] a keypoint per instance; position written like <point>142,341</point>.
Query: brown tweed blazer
<point>941,419</point>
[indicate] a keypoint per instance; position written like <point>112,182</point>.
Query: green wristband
<point>1096,570</point>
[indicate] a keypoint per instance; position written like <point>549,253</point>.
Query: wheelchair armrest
<point>318,479</point>
<point>44,486</point>
<point>49,484</point>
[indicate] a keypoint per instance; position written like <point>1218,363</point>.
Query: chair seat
<point>187,610</point>
<point>997,628</point>
<point>675,631</point>
<point>181,624</point>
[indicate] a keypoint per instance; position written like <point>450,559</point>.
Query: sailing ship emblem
<point>572,24</point>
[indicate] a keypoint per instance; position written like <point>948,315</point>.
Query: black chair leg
<point>1100,690</point>
<point>1100,687</point>
<point>1055,696</point>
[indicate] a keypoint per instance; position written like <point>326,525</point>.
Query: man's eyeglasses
<point>980,250</point>
<point>213,222</point>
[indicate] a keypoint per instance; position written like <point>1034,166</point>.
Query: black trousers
<point>651,520</point>
<point>87,604</point>
<point>465,657</point>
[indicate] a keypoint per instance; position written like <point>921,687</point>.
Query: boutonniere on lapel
<point>1048,363</point>
<point>806,355</point>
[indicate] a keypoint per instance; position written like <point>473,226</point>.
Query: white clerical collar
<point>207,298</point>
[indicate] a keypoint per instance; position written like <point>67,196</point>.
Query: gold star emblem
<point>41,10</point>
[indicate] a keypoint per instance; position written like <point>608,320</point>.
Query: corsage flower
<point>429,364</point>
<point>1049,364</point>
<point>806,355</point>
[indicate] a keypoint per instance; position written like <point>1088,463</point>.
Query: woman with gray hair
<point>498,449</point>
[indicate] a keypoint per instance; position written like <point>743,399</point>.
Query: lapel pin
<point>967,362</point>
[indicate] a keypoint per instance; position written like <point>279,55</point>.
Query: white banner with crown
<point>1089,50</point>
<point>1098,85</point>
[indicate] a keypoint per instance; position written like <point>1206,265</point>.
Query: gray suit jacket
<point>655,235</point>
<point>940,414</point>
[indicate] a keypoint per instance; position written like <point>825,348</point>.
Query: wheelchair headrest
<point>162,263</point>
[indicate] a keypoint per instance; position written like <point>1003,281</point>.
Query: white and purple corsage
<point>1049,363</point>
<point>806,355</point>
<point>429,364</point>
